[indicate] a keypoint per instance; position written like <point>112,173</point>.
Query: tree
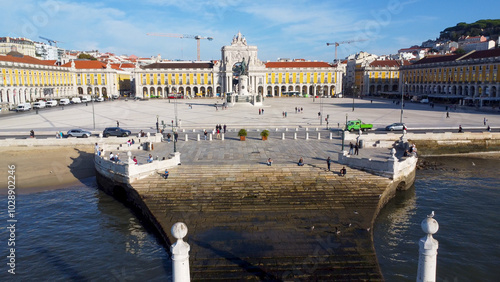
<point>459,51</point>
<point>84,56</point>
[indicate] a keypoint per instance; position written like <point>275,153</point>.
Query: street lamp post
<point>93,111</point>
<point>157,124</point>
<point>175,140</point>
<point>321,105</point>
<point>402,103</point>
<point>353,88</point>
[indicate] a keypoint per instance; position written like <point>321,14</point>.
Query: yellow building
<point>469,79</point>
<point>27,79</point>
<point>378,77</point>
<point>307,78</point>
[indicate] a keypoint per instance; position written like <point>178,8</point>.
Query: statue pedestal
<point>243,85</point>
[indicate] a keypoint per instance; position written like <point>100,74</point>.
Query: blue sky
<point>280,29</point>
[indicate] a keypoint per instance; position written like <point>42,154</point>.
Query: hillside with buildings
<point>487,28</point>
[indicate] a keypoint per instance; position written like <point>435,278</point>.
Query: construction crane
<point>50,41</point>
<point>344,42</point>
<point>197,37</point>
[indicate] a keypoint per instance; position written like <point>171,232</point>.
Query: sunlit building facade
<point>471,79</point>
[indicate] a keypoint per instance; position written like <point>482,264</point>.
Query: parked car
<point>395,126</point>
<point>99,99</point>
<point>115,131</point>
<point>357,125</point>
<point>51,103</point>
<point>63,102</point>
<point>424,101</point>
<point>85,98</point>
<point>76,100</point>
<point>39,105</point>
<point>23,107</point>
<point>79,133</point>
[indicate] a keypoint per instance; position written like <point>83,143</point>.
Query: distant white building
<point>478,43</point>
<point>48,52</point>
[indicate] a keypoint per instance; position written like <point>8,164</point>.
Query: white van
<point>85,99</point>
<point>39,105</point>
<point>51,103</point>
<point>63,102</point>
<point>23,107</point>
<point>75,100</point>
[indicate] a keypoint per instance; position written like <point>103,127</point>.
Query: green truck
<point>353,125</point>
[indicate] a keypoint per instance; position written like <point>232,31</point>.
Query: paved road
<point>141,115</point>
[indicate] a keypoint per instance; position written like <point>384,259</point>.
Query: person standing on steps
<point>356,149</point>
<point>351,148</point>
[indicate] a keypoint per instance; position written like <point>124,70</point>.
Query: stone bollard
<point>183,130</point>
<point>186,138</point>
<point>210,136</point>
<point>307,135</point>
<point>331,136</point>
<point>316,129</point>
<point>283,136</point>
<point>180,254</point>
<point>307,128</point>
<point>198,137</point>
<point>194,130</point>
<point>222,136</point>
<point>295,136</point>
<point>286,128</point>
<point>428,247</point>
<point>296,129</point>
<point>276,129</point>
<point>319,135</point>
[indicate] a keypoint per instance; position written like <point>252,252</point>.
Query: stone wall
<point>126,171</point>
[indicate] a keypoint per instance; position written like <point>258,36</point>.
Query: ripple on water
<point>465,200</point>
<point>81,233</point>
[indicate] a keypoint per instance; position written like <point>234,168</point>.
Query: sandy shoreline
<point>46,168</point>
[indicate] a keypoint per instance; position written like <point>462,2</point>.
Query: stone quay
<point>251,221</point>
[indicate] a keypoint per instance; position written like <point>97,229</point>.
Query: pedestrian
<point>484,121</point>
<point>269,162</point>
<point>166,174</point>
<point>356,149</point>
<point>404,129</point>
<point>32,133</point>
<point>460,129</point>
<point>168,137</point>
<point>176,135</point>
<point>111,156</point>
<point>225,129</point>
<point>295,109</point>
<point>489,128</point>
<point>319,114</point>
<point>286,114</point>
<point>218,133</point>
<point>302,110</point>
<point>301,162</point>
<point>351,148</point>
<point>60,132</point>
<point>260,112</point>
<point>117,124</point>
<point>150,158</point>
<point>447,114</point>
<point>96,147</point>
<point>135,160</point>
<point>205,133</point>
<point>328,161</point>
<point>343,171</point>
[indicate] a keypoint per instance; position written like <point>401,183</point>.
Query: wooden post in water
<point>180,254</point>
<point>428,247</point>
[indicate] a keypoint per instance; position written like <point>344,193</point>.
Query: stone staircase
<point>254,222</point>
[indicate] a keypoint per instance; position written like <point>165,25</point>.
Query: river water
<point>82,234</point>
<point>464,193</point>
